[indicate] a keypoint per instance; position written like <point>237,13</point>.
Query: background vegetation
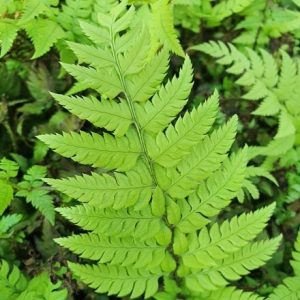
<point>247,50</point>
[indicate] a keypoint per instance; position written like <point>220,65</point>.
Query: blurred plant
<point>278,88</point>
<point>14,285</point>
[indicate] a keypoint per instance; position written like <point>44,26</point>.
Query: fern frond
<point>108,85</point>
<point>228,7</point>
<point>125,280</point>
<point>6,196</point>
<point>108,114</point>
<point>8,33</point>
<point>94,56</point>
<point>12,281</point>
<point>32,9</point>
<point>288,76</point>
<point>264,80</point>
<point>99,151</point>
<point>8,169</point>
<point>189,130</point>
<point>103,190</point>
<point>35,193</point>
<point>231,293</point>
<point>140,224</point>
<point>135,58</point>
<point>234,266</point>
<point>143,85</point>
<point>166,181</point>
<point>41,287</point>
<point>155,115</point>
<point>14,285</point>
<point>289,289</point>
<point>99,36</point>
<point>7,222</point>
<point>44,34</point>
<point>162,26</point>
<point>226,55</point>
<point>296,257</point>
<point>221,240</point>
<point>116,251</point>
<point>205,158</point>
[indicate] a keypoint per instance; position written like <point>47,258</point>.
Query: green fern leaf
<point>270,106</point>
<point>231,293</point>
<point>116,251</point>
<point>135,58</point>
<point>286,126</point>
<point>40,287</point>
<point>214,194</point>
<point>288,290</point>
<point>32,9</point>
<point>96,57</point>
<point>12,282</point>
<point>162,26</point>
<point>143,85</point>
<point>166,181</point>
<point>7,194</point>
<point>8,169</point>
<point>96,150</point>
<point>8,33</point>
<point>221,240</point>
<point>14,285</point>
<point>97,35</point>
<point>120,191</point>
<point>296,257</point>
<point>108,114</point>
<point>118,223</point>
<point>226,55</point>
<point>35,193</point>
<point>126,280</point>
<point>233,267</point>
<point>263,80</point>
<point>271,70</point>
<point>9,221</point>
<point>205,158</point>
<point>43,33</point>
<point>229,7</point>
<point>108,85</point>
<point>188,131</point>
<point>167,102</point>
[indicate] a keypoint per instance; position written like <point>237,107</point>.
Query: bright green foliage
<point>150,209</point>
<point>229,293</point>
<point>14,285</point>
<point>8,169</point>
<point>288,290</point>
<point>7,223</point>
<point>34,191</point>
<point>264,80</point>
<point>163,28</point>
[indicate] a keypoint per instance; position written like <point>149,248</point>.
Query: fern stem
<point>132,111</point>
<point>144,149</point>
